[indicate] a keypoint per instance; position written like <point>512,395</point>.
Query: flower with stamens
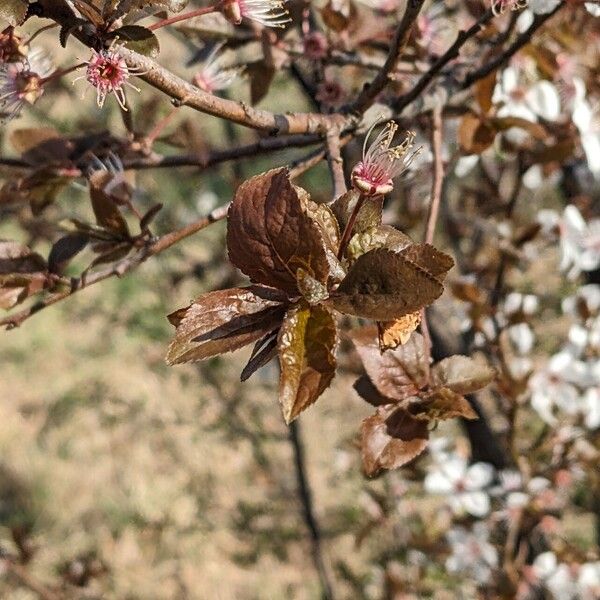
<point>213,77</point>
<point>269,13</point>
<point>499,7</point>
<point>22,82</point>
<point>108,72</point>
<point>380,164</point>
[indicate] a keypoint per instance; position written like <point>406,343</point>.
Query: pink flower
<point>213,76</point>
<point>269,13</point>
<point>108,72</point>
<point>500,6</point>
<point>330,93</point>
<point>373,175</point>
<point>315,45</point>
<point>22,82</point>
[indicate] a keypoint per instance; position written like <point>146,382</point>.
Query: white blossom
<point>463,485</point>
<point>471,552</point>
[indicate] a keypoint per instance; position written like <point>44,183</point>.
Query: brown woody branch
<point>26,580</point>
<point>118,269</point>
<point>453,52</point>
<point>157,161</point>
<point>522,40</point>
<point>336,164</point>
<point>401,37</point>
<point>237,112</point>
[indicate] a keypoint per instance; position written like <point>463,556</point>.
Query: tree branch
<point>371,90</point>
<point>522,40</point>
<point>237,112</point>
<point>450,54</point>
<point>118,269</point>
<point>305,494</point>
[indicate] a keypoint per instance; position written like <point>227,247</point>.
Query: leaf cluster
<point>410,395</point>
<point>288,246</point>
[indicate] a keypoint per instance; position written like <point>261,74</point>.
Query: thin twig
<point>522,40</point>
<point>336,163</point>
<point>453,52</point>
<point>157,161</point>
<point>436,198</point>
<point>118,269</point>
<point>310,519</point>
<point>401,37</point>
<point>438,173</point>
<point>184,17</point>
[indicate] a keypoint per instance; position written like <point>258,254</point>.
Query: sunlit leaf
<point>270,237</point>
<point>224,321</point>
<point>384,285</point>
<point>461,374</point>
<point>397,374</point>
<point>391,438</point>
<point>306,346</point>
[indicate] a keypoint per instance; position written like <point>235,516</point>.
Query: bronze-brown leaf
<point>384,285</point>
<point>442,404</point>
<point>108,215</point>
<point>391,438</point>
<point>270,237</point>
<point>224,321</point>
<point>397,374</point>
<point>395,333</point>
<point>429,258</point>
<point>307,344</point>
<point>461,374</point>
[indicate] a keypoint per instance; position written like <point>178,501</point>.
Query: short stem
<point>60,73</point>
<point>350,226</point>
<point>189,15</point>
<point>41,30</point>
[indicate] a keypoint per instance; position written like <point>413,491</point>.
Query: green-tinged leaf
<point>442,404</point>
<point>270,237</point>
<point>384,285</point>
<point>369,215</point>
<point>325,219</point>
<point>391,438</point>
<point>139,39</point>
<point>381,236</point>
<point>461,374</point>
<point>224,321</point>
<point>312,290</point>
<point>13,11</point>
<point>397,374</point>
<point>307,344</point>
